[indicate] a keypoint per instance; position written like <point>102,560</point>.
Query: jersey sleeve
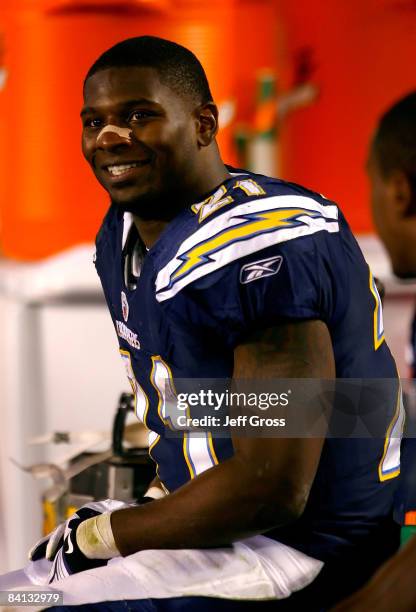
<point>282,282</point>
<point>260,261</point>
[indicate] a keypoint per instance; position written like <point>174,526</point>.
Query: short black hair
<point>178,67</point>
<point>394,143</point>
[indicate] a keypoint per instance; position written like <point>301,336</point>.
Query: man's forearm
<point>265,483</point>
<point>227,502</point>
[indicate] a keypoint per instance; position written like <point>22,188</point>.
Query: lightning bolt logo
<point>253,224</point>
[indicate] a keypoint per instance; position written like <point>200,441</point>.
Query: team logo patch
<point>124,306</point>
<point>259,269</point>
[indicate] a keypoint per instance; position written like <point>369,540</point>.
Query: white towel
<point>255,568</point>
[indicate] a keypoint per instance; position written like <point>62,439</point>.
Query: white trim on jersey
<point>152,437</point>
<point>197,452</point>
<point>240,231</point>
<point>127,223</point>
<point>390,465</point>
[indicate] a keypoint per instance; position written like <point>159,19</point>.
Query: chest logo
<point>260,269</point>
<point>124,306</point>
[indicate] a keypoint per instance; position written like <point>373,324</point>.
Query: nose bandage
<point>124,133</point>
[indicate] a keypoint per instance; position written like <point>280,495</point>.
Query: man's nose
<point>113,136</point>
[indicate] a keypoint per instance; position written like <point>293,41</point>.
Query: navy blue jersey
<point>255,252</point>
<point>406,493</point>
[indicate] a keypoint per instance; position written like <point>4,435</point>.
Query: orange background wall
<point>364,54</point>
<point>361,51</point>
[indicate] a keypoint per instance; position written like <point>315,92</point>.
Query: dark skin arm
<point>393,587</point>
<point>267,481</point>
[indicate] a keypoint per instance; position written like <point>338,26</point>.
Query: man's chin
<point>404,264</point>
<point>131,207</point>
<point>137,204</point>
<point>408,274</point>
<point>150,207</point>
<point>145,207</point>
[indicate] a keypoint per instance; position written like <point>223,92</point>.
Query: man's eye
<point>139,115</point>
<point>92,123</point>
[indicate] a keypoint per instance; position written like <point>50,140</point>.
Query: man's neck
<point>151,229</point>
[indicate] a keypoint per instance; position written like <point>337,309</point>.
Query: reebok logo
<point>259,269</point>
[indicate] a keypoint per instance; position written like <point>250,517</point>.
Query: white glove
<point>88,542</point>
<point>49,544</point>
<point>46,545</point>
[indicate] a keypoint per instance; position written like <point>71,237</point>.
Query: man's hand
<point>87,543</point>
<point>84,541</point>
<point>47,545</point>
<point>68,558</point>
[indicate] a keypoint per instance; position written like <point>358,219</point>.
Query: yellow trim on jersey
<point>257,189</point>
<point>151,447</point>
<point>152,380</point>
<point>262,222</point>
<point>216,201</point>
<point>153,444</point>
<point>186,455</point>
<point>188,461</point>
<point>394,473</point>
<point>211,448</point>
<point>378,340</point>
<point>158,359</point>
<point>215,197</point>
<point>133,381</point>
<point>219,199</point>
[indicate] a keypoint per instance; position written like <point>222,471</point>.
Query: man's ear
<point>401,194</point>
<point>207,123</point>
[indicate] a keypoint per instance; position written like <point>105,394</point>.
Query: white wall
<point>59,370</point>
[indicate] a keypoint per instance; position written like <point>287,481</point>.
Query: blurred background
<point>300,86</point>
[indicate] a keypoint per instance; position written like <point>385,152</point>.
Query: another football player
<point>392,173</point>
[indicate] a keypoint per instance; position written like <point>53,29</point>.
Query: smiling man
<point>209,272</point>
<point>160,161</point>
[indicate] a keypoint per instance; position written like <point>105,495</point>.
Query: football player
<point>216,273</point>
<point>392,173</point>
